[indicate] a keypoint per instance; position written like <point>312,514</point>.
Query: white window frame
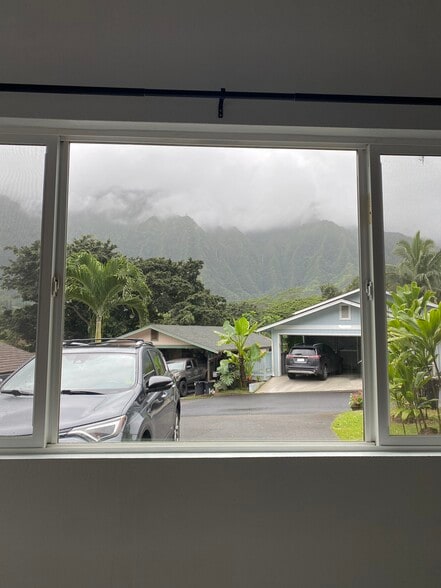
<point>385,438</point>
<point>370,227</point>
<point>48,343</point>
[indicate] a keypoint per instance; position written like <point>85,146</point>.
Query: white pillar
<point>275,337</point>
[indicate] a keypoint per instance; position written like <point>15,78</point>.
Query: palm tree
<point>420,263</point>
<point>104,286</point>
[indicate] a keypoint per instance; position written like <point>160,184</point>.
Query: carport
<point>336,322</point>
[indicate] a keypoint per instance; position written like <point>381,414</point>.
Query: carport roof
<point>342,299</point>
<point>200,336</point>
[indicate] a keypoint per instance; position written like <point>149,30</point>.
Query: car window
<point>148,369</point>
<point>104,372</point>
<point>158,362</point>
<point>98,371</point>
<point>303,351</point>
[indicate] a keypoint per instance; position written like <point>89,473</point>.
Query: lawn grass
<point>348,426</point>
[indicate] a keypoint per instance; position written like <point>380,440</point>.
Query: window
<point>377,417</point>
<point>24,179</point>
<point>345,312</point>
<point>412,252</point>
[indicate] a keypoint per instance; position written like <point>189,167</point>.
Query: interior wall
<point>344,46</point>
<point>309,522</point>
<point>301,521</point>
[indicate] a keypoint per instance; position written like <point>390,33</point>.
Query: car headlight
<point>99,431</point>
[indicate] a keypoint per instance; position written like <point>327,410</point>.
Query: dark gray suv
<point>115,390</point>
<point>317,359</point>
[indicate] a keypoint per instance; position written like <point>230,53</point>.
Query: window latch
<point>369,290</point>
<point>55,286</point>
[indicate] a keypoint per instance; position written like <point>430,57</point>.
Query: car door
<point>165,404</point>
<point>190,371</point>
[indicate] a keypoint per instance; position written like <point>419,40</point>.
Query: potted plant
<point>356,400</point>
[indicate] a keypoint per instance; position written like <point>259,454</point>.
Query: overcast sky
<point>251,189</point>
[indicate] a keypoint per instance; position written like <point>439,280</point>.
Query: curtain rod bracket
<point>220,108</point>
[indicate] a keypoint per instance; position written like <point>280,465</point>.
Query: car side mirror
<point>159,383</point>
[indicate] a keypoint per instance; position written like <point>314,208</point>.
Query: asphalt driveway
<point>283,384</point>
<point>262,417</point>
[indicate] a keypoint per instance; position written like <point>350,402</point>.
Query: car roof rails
<point>105,341</point>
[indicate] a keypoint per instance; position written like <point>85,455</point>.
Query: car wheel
<point>292,376</point>
<point>324,374</point>
<point>183,388</point>
<point>177,427</point>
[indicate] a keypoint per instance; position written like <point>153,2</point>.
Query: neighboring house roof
<point>12,358</point>
<point>351,298</point>
<point>325,304</point>
<point>203,337</point>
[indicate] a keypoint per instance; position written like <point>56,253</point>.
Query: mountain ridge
<point>237,265</point>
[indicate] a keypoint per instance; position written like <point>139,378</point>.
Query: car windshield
<point>176,365</point>
<point>94,372</point>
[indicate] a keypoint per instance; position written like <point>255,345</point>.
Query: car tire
<point>183,388</point>
<point>324,372</point>
<point>177,427</point>
<point>292,376</point>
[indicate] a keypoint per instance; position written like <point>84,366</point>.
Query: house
<point>11,358</point>
<point>336,321</point>
<point>176,341</point>
<point>319,518</point>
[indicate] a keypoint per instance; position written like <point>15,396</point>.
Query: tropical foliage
<point>104,286</point>
<point>420,262</point>
<point>244,357</point>
<point>414,339</point>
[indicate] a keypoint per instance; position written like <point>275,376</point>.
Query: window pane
<point>412,212</point>
<point>21,194</point>
<point>214,234</point>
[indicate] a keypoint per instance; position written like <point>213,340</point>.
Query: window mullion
<point>47,290</point>
<point>58,278</point>
<point>367,305</point>
<point>381,368</point>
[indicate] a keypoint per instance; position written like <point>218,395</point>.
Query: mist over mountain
<point>237,265</point>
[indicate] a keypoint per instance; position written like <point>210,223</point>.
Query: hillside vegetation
<point>237,266</point>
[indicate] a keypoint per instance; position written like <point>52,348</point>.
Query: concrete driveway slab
<point>343,383</point>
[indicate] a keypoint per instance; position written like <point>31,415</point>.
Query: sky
<point>252,189</point>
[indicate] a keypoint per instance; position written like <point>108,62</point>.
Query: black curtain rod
<point>221,95</point>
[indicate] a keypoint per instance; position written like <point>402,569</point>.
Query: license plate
<point>300,360</point>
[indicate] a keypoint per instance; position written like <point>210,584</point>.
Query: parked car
<point>115,390</point>
<point>187,371</point>
<point>317,359</point>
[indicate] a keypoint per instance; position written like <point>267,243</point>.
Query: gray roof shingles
<point>204,337</point>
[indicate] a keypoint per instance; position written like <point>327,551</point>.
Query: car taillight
<point>289,356</point>
<point>314,356</point>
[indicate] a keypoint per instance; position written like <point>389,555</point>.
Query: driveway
<point>281,384</point>
<point>262,417</point>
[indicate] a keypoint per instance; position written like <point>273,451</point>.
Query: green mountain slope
<point>236,265</point>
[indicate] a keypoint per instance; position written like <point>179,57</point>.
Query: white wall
<point>265,523</point>
<point>301,521</point>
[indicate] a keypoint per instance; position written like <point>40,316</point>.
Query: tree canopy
<point>420,262</point>
<point>103,286</point>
